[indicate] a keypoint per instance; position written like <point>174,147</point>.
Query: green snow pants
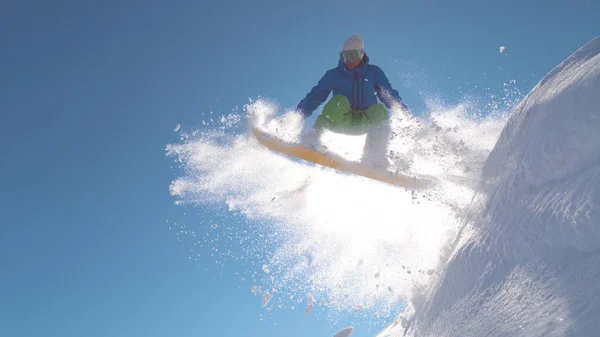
<point>338,117</point>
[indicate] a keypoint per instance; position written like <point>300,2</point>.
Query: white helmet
<point>352,50</point>
<point>354,42</point>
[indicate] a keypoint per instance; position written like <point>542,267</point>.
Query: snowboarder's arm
<point>316,96</point>
<point>387,95</point>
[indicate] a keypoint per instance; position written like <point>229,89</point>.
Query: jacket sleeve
<point>387,95</point>
<point>316,96</point>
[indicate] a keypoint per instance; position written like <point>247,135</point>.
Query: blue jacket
<point>360,86</point>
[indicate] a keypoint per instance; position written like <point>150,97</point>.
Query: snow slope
<point>527,259</point>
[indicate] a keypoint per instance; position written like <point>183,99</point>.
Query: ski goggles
<point>350,55</point>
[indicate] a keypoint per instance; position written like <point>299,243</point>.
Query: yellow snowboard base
<point>336,162</point>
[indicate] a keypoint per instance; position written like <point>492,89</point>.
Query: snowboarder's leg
<point>335,115</point>
<point>376,114</point>
<point>378,136</point>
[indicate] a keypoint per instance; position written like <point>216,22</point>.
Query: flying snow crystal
<point>344,332</point>
<point>266,298</point>
<point>177,127</point>
<point>309,305</point>
<point>502,49</point>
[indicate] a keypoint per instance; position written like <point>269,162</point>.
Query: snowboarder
<point>354,109</point>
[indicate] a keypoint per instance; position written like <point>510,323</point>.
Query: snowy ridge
<point>527,261</point>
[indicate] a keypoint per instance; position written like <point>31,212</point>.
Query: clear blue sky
<point>91,91</point>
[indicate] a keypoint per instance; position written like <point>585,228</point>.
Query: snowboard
<point>334,161</point>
